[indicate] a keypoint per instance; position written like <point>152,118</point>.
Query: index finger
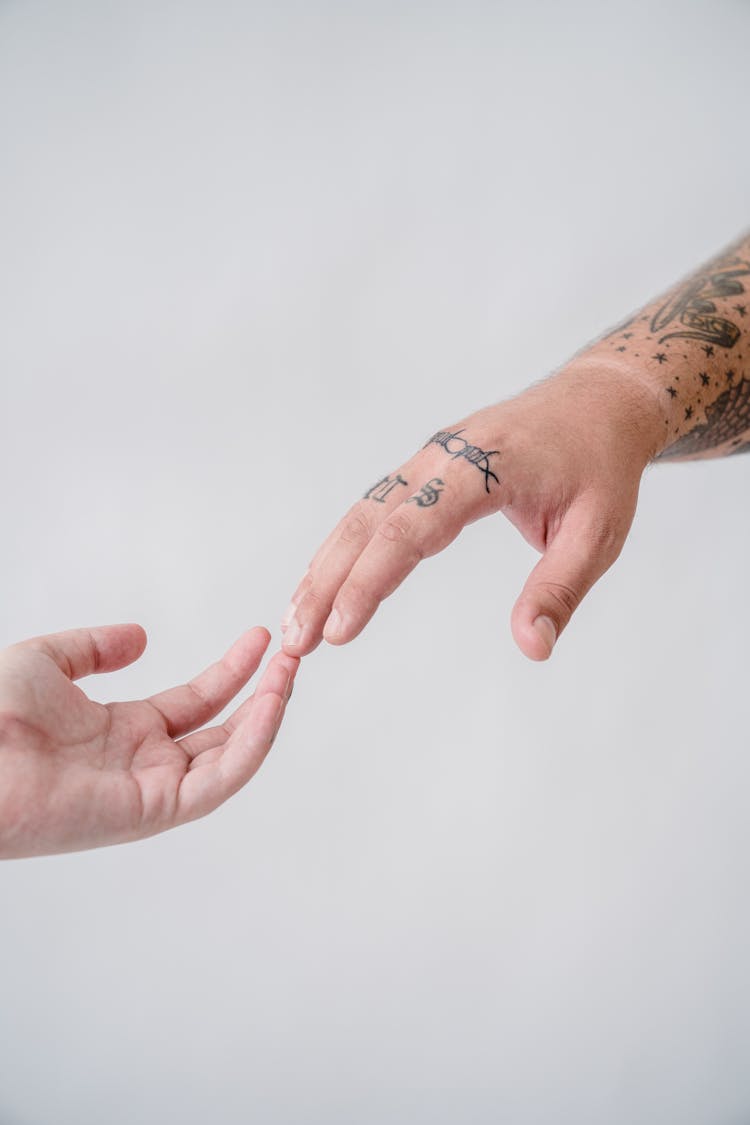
<point>311,604</point>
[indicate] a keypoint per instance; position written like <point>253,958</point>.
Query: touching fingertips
<point>296,635</point>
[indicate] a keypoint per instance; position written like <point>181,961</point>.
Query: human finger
<point>313,599</point>
<point>82,652</point>
<point>409,534</point>
<point>202,790</point>
<point>586,545</point>
<point>190,705</point>
<point>277,678</point>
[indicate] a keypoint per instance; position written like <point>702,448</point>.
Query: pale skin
<point>76,774</point>
<point>563,461</point>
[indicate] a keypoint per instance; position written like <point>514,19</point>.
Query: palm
<point>76,773</point>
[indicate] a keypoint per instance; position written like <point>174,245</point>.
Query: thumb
<point>581,551</point>
<point>80,652</point>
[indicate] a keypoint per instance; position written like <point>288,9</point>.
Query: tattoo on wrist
<point>456,446</point>
<point>428,493</point>
<point>382,490</point>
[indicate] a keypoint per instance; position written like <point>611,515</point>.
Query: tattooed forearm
<point>428,493</point>
<point>456,446</point>
<point>692,347</point>
<point>692,310</point>
<point>727,420</point>
<point>382,490</point>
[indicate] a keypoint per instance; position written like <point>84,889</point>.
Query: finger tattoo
<point>384,488</point>
<point>428,493</point>
<point>456,446</point>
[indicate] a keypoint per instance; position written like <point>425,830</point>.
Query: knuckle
<point>563,598</point>
<point>357,527</point>
<point>396,528</point>
<point>313,597</point>
<point>201,698</point>
<point>312,605</point>
<point>609,540</point>
<point>607,530</point>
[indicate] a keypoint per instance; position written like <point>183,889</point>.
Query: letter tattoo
<point>456,446</point>
<point>428,493</point>
<point>384,488</point>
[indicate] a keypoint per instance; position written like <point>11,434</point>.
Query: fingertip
<point>333,630</point>
<point>536,636</point>
<point>291,663</point>
<point>138,634</point>
<point>119,645</point>
<point>258,637</point>
<point>344,625</point>
<point>299,640</point>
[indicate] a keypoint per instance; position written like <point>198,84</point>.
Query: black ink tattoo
<point>694,308</point>
<point>456,446</point>
<point>382,490</point>
<point>660,358</point>
<point>728,418</point>
<point>428,493</point>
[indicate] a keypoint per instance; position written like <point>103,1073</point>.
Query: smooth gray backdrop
<point>252,254</point>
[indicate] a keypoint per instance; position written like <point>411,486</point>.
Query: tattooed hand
<point>77,774</point>
<point>563,462</point>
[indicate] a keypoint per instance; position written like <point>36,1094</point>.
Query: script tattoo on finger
<point>428,493</point>
<point>382,490</point>
<point>457,446</point>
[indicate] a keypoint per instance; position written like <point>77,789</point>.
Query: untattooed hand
<point>563,462</point>
<point>76,774</point>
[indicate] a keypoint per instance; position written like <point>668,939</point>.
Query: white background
<point>251,256</point>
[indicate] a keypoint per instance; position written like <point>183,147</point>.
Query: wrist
<point>627,400</point>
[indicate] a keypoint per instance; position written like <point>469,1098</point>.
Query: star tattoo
<point>741,309</point>
<point>704,378</point>
<point>708,349</point>
<point>671,392</point>
<point>660,357</point>
<point>688,413</point>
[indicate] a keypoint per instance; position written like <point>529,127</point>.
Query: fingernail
<point>547,630</point>
<point>288,615</point>
<point>334,625</point>
<point>294,634</point>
